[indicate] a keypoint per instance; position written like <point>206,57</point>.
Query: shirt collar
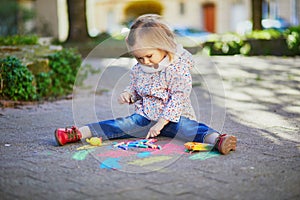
<point>164,63</point>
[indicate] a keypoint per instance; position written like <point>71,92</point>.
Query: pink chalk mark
<point>117,153</point>
<point>170,148</point>
<point>167,149</point>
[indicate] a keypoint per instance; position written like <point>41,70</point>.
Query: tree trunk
<point>77,21</point>
<point>257,14</point>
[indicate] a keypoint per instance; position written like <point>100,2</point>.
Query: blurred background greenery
<point>83,24</point>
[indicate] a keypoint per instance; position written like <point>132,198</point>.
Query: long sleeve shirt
<point>164,92</point>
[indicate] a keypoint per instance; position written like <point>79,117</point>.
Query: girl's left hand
<point>125,97</point>
<point>155,130</point>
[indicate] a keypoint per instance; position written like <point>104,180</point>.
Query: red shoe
<point>67,135</point>
<point>226,143</point>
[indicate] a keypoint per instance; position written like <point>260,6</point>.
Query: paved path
<point>255,98</point>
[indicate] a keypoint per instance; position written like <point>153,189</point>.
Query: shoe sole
<point>56,138</point>
<point>229,144</point>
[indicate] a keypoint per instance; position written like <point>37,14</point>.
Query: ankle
<point>211,138</point>
<point>85,132</point>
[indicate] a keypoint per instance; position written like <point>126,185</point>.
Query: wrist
<point>163,121</point>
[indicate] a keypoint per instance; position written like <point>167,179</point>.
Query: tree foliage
<point>13,18</point>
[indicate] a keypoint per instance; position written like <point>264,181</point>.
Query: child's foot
<point>67,135</point>
<point>226,143</point>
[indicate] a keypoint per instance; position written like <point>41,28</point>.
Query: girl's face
<point>149,57</point>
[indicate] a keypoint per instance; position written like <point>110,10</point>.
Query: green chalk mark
<point>81,155</point>
<point>204,155</point>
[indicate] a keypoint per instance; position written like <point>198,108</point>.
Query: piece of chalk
<point>132,145</point>
<point>119,144</point>
<point>122,147</point>
<point>153,146</point>
<point>142,146</point>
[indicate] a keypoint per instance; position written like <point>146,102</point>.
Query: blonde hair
<point>148,31</point>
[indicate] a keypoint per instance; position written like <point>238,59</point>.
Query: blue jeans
<point>138,126</point>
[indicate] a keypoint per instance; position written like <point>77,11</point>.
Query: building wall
<point>297,12</point>
<point>289,10</point>
<point>193,16</point>
<point>284,9</point>
<point>107,15</point>
<point>172,12</point>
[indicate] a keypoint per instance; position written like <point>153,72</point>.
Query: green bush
<point>227,44</point>
<point>264,34</point>
<point>293,39</point>
<point>19,40</point>
<point>17,82</point>
<point>43,85</point>
<point>274,42</point>
<point>64,65</point>
<point>263,42</point>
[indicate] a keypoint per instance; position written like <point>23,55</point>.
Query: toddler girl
<point>160,87</point>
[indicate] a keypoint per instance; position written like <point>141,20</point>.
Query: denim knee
<point>187,130</point>
<point>130,126</point>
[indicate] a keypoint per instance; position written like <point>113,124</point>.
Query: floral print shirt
<point>163,92</point>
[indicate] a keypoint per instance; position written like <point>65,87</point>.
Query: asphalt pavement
<point>256,99</point>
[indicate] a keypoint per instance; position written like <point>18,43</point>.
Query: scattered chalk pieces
<point>143,143</point>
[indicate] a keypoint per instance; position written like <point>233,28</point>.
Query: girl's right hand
<point>125,97</point>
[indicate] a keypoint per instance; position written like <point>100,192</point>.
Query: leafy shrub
<point>227,44</point>
<point>274,42</point>
<point>19,40</point>
<point>262,42</point>
<point>64,65</point>
<point>264,34</point>
<point>18,83</point>
<point>293,39</point>
<point>43,85</point>
<point>16,80</point>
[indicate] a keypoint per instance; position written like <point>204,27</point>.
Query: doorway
<point>209,10</point>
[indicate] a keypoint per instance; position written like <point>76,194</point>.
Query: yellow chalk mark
<point>150,160</point>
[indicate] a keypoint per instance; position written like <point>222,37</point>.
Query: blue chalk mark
<point>110,163</point>
<point>109,147</point>
<point>144,154</point>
